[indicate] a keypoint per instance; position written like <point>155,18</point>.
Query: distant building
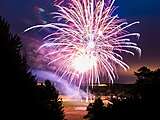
<point>40,82</point>
<point>111,89</point>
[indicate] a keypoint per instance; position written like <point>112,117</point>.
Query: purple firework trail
<point>88,40</point>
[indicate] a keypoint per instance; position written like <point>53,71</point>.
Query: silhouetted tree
<point>148,83</point>
<point>156,77</point>
<point>96,110</point>
<point>18,83</point>
<point>20,95</point>
<point>121,109</point>
<point>145,99</point>
<point>144,81</point>
<point>48,101</point>
<point>143,103</point>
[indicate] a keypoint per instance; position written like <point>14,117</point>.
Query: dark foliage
<point>48,102</point>
<point>148,87</point>
<point>18,83</point>
<point>119,109</point>
<point>21,97</point>
<point>144,101</point>
<point>96,110</point>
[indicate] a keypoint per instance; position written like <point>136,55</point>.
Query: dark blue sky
<point>22,14</point>
<point>17,12</point>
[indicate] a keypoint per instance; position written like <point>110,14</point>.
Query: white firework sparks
<point>88,40</point>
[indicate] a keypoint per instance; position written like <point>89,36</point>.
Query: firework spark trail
<point>88,40</point>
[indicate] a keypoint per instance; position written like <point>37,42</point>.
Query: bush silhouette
<point>96,110</point>
<point>48,102</point>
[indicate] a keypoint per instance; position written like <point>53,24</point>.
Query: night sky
<point>22,14</point>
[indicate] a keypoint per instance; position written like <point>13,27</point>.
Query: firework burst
<point>88,40</point>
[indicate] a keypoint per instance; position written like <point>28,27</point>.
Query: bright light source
<point>84,62</point>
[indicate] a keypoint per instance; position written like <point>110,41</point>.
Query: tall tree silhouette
<point>19,86</point>
<point>18,83</point>
<point>148,83</point>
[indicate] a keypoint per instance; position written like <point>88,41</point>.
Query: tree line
<point>144,102</point>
